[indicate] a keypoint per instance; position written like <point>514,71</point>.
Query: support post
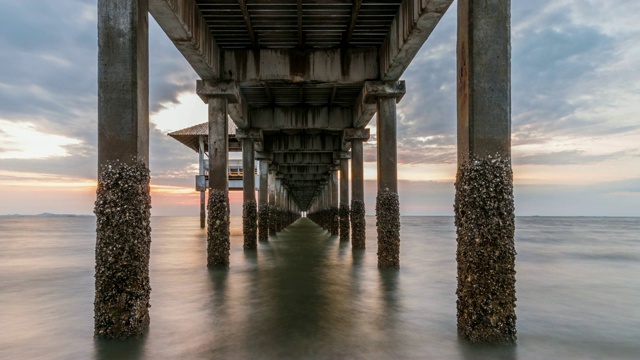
<point>218,244</point>
<point>333,206</point>
<point>484,207</point>
<point>203,211</point>
<point>122,208</point>
<point>263,202</point>
<point>358,222</point>
<point>217,96</point>
<point>344,198</point>
<point>249,206</point>
<point>272,200</point>
<point>387,201</point>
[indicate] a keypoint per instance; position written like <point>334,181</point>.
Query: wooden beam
<point>355,11</point>
<point>247,22</point>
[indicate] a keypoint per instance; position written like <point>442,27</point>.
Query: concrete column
<point>387,203</point>
<point>122,208</point>
<point>358,222</point>
<point>218,222</point>
<point>203,211</point>
<point>344,199</point>
<point>272,201</point>
<point>335,200</point>
<point>249,207</point>
<point>278,205</point>
<point>263,200</point>
<point>484,207</point>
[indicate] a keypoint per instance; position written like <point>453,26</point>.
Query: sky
<point>575,113</point>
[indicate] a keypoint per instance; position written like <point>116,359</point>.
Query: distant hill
<point>44,215</point>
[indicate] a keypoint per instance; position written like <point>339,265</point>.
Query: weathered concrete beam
<point>356,133</point>
<point>303,158</point>
<point>239,113</point>
<point>236,105</point>
<point>285,118</point>
<point>339,155</point>
<point>365,106</point>
<point>302,169</point>
<point>303,143</point>
<point>222,89</point>
<point>183,23</point>
<point>411,27</point>
<point>324,65</point>
<point>306,176</point>
<point>253,134</point>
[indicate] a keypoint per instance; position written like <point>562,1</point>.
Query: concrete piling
<point>249,223</point>
<point>218,206</point>
<point>263,201</point>
<point>484,217</point>
<point>388,225</point>
<point>387,203</point>
<point>358,222</point>
<point>123,243</point>
<point>122,208</point>
<point>218,229</point>
<point>484,207</point>
<point>344,199</point>
<point>249,206</point>
<point>263,222</point>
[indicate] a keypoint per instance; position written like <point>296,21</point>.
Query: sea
<point>306,295</point>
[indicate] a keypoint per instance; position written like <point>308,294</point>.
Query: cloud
<point>573,89</point>
<point>570,80</point>
<point>49,76</point>
<point>568,157</point>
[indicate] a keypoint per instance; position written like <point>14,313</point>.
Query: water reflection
<point>119,349</point>
<point>486,352</point>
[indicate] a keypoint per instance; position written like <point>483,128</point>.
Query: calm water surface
<point>305,295</point>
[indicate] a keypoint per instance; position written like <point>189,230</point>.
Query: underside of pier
<point>301,80</point>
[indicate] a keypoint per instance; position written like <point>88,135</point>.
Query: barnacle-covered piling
<point>388,224</point>
<point>358,224</point>
<point>273,220</point>
<point>218,229</point>
<point>334,219</point>
<point>484,217</point>
<point>123,241</point>
<point>344,222</point>
<point>263,223</point>
<point>249,224</point>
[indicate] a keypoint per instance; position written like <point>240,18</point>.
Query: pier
<point>301,80</point>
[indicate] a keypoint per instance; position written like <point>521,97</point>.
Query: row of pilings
<point>274,220</point>
<point>327,218</point>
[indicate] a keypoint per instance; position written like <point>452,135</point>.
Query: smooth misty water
<point>304,295</point>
